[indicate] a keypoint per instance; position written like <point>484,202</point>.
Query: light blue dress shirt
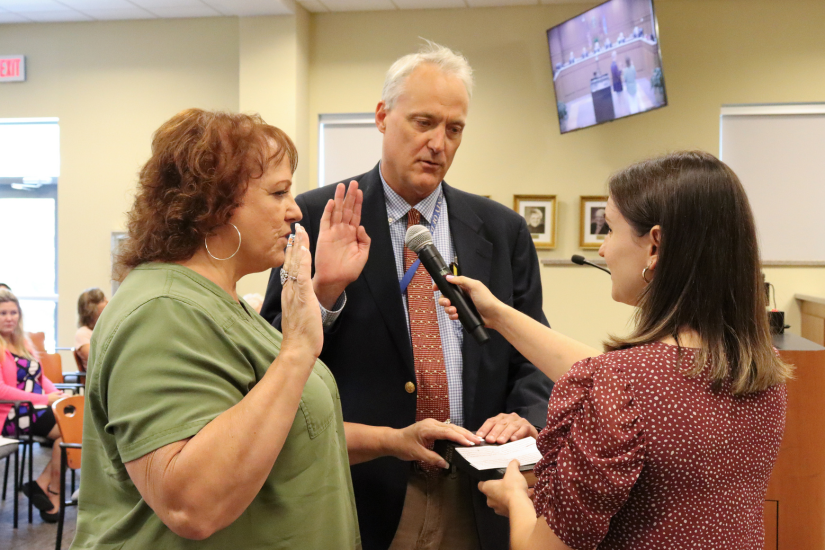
<point>451,331</point>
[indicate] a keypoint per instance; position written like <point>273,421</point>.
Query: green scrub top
<point>170,352</point>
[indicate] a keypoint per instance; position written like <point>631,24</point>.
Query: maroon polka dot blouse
<point>637,455</point>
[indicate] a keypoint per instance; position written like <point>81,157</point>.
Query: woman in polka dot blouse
<point>667,440</point>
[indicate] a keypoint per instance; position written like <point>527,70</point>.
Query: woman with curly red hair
<point>203,422</point>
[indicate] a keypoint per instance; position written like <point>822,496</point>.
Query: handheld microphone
<point>579,260</point>
<point>419,240</point>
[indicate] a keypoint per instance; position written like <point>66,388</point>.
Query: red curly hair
<point>196,177</point>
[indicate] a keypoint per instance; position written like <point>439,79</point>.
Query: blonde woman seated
<point>22,379</point>
<point>669,438</point>
<point>89,307</point>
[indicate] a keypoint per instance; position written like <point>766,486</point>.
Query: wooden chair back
<point>80,366</point>
<point>52,366</point>
<point>38,340</point>
<point>69,415</point>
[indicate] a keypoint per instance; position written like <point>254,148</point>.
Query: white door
<point>348,145</point>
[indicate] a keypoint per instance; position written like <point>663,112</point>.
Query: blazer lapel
<point>475,254</point>
<point>379,272</point>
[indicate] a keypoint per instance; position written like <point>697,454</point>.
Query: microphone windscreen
<point>417,237</point>
<point>576,259</point>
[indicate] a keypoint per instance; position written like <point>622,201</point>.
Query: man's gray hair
<point>450,62</point>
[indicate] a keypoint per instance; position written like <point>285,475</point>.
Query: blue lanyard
<point>405,280</point>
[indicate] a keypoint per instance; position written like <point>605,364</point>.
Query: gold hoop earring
<point>206,244</point>
<point>644,275</point>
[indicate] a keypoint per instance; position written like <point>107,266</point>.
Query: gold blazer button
<point>410,387</point>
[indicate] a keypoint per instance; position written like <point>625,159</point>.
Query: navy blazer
<point>368,348</point>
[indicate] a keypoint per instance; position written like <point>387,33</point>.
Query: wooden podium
<point>795,503</point>
<point>812,309</point>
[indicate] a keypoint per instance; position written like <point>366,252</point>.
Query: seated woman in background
<point>22,379</point>
<point>669,438</point>
<point>89,307</point>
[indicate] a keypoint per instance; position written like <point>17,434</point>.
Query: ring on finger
<point>284,276</point>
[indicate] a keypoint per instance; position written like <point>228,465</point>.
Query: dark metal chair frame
<point>25,440</point>
<point>6,478</point>
<point>63,501</point>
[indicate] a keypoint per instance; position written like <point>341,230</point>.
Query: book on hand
<point>489,461</point>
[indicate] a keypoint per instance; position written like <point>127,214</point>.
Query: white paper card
<point>489,457</point>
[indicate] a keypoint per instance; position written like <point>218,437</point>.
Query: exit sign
<point>12,68</point>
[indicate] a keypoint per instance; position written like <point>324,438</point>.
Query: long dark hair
<point>708,275</point>
<point>87,306</point>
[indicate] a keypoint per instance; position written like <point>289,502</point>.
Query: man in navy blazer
<point>367,344</point>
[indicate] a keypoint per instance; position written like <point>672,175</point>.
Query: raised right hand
<point>485,302</point>
<point>301,318</point>
<point>343,245</point>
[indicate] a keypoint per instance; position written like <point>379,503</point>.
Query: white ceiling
<point>45,11</point>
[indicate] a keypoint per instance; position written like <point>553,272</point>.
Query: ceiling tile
<point>21,6</point>
<point>56,16</point>
<point>217,6</point>
<point>249,8</point>
<point>83,5</point>
<point>314,6</point>
<point>359,5</point>
<point>114,15</point>
<point>429,4</point>
<point>18,11</point>
<point>174,13</point>
<point>168,3</point>
<point>498,3</point>
<point>8,17</point>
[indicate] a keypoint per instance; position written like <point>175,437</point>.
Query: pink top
<point>8,386</point>
<point>637,455</point>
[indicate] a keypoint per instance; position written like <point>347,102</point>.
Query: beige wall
<point>274,81</point>
<point>714,52</point>
<point>111,84</point>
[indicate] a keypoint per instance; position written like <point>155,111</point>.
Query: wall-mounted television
<point>607,64</point>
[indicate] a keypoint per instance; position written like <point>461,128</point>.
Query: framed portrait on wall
<point>540,213</point>
<point>593,228</point>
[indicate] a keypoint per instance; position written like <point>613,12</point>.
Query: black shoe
<point>49,518</point>
<point>38,496</point>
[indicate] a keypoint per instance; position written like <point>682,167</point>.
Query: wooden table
<point>795,503</point>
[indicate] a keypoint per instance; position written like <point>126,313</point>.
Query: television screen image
<point>607,64</point>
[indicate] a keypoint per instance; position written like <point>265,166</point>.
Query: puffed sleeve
<point>593,450</point>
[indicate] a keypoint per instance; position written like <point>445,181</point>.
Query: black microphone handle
<point>597,266</point>
<point>467,313</point>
